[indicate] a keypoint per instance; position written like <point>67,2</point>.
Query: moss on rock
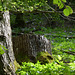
<point>44,57</point>
<point>17,66</point>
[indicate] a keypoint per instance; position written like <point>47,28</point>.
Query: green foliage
<point>30,5</point>
<point>63,64</point>
<point>59,3</point>
<point>62,44</point>
<point>2,48</point>
<point>67,11</point>
<point>48,69</point>
<point>67,46</point>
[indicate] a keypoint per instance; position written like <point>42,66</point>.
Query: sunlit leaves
<point>59,57</point>
<point>59,3</point>
<point>30,5</point>
<point>31,8</point>
<point>1,8</point>
<point>55,1</point>
<point>27,5</point>
<point>64,0</point>
<point>70,9</point>
<point>2,48</point>
<point>48,69</point>
<point>67,11</point>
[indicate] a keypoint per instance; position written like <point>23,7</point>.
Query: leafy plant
<point>31,5</point>
<point>63,64</point>
<point>2,48</point>
<point>61,3</point>
<point>48,69</point>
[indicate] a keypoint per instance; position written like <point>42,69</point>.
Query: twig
<point>67,18</point>
<point>72,53</point>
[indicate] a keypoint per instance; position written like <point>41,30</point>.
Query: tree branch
<point>72,53</point>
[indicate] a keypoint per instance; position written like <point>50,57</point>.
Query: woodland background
<point>57,27</point>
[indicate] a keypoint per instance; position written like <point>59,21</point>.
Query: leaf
<point>1,50</point>
<point>4,47</point>
<point>64,0</point>
<point>61,5</point>
<point>70,9</point>
<point>55,1</point>
<point>1,9</point>
<point>67,11</point>
<point>31,8</point>
<point>59,57</point>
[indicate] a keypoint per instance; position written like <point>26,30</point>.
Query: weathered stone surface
<point>28,45</point>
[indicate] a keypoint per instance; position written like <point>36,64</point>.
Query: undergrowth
<point>63,50</point>
<point>48,69</point>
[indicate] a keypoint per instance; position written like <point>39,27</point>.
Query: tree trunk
<point>27,46</point>
<point>7,66</point>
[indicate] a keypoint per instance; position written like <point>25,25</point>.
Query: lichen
<point>44,57</point>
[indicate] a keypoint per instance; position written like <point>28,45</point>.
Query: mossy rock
<point>44,57</point>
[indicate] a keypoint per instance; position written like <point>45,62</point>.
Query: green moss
<point>44,57</point>
<point>17,66</point>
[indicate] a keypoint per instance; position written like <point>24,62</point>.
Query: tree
<point>7,60</point>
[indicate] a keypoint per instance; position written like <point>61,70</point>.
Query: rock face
<point>27,46</point>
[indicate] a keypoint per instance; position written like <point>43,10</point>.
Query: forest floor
<point>62,40</point>
<point>63,49</point>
